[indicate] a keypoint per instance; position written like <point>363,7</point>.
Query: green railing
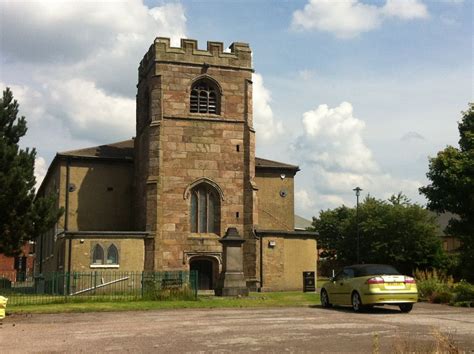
<point>60,287</point>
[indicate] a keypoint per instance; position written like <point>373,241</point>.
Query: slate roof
<point>119,150</point>
<point>124,150</point>
<point>264,163</point>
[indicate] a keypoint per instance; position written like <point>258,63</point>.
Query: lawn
<point>273,299</point>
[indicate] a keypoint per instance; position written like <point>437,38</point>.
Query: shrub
<point>464,291</point>
<point>154,291</point>
<point>441,297</point>
<point>430,282</point>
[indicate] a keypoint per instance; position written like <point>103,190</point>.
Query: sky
<point>355,92</point>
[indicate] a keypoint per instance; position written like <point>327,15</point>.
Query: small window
<point>98,255</point>
<point>112,255</point>
<point>205,97</point>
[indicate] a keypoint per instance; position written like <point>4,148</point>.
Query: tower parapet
<point>239,57</point>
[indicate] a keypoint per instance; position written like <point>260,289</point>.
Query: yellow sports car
<point>365,285</point>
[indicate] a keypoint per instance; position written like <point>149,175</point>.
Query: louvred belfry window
<point>205,97</point>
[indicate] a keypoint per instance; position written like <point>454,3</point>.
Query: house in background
<point>18,268</point>
<point>302,224</point>
<point>164,199</point>
<point>450,243</point>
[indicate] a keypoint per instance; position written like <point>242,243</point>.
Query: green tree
<point>451,189</point>
<point>394,232</point>
<point>22,217</point>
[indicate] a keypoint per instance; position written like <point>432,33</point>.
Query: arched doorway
<point>206,269</point>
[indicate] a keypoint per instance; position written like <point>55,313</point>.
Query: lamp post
<point>357,190</point>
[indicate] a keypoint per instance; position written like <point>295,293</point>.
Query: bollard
<point>3,306</point>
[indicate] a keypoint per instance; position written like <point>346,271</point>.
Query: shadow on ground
<point>380,310</point>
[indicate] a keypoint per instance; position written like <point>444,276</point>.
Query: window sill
<point>198,235</point>
<point>105,266</point>
<point>200,114</point>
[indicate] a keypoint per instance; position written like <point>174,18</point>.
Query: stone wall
<point>177,148</point>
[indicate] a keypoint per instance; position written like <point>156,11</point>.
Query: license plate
<point>394,285</point>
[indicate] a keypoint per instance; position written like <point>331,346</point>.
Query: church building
<point>165,199</point>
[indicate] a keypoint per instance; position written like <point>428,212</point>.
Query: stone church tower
<point>182,194</point>
<point>195,156</point>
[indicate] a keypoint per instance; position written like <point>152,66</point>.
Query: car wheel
<point>356,302</point>
<point>405,308</point>
<point>325,299</point>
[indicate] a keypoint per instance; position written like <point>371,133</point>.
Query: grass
<point>274,299</point>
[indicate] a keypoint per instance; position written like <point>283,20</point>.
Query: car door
<point>340,288</point>
<point>346,286</point>
<point>334,289</point>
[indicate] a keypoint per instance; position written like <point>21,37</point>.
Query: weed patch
<point>438,342</point>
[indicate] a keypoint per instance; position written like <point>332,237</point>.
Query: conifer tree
<point>22,217</point>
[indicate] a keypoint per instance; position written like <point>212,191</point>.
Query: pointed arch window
<point>205,209</point>
<point>205,97</point>
<point>98,255</point>
<point>112,255</point>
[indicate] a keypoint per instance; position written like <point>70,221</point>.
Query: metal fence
<point>61,287</point>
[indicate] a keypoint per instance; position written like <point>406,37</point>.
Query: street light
<point>357,190</point>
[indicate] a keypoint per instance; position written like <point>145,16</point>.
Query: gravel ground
<point>236,330</point>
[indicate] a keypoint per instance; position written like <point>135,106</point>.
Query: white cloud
<point>347,19</point>
<point>265,124</point>
<point>343,18</point>
<point>405,9</point>
<point>337,136</point>
<point>40,170</point>
<point>89,112</point>
<point>83,58</point>
<point>30,101</point>
<point>69,32</point>
<point>332,150</point>
<point>303,200</point>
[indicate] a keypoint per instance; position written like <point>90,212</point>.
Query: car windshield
<point>375,269</point>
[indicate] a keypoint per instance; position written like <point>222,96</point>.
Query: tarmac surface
<point>311,329</point>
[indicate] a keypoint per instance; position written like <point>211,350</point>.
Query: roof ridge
<point>94,147</point>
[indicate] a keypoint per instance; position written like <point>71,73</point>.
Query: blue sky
<point>354,92</point>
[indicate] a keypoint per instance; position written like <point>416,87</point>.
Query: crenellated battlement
<point>239,57</point>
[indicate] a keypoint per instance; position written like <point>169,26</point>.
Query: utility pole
<point>357,191</point>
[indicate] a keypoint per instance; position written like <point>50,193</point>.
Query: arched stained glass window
<point>205,97</point>
<point>112,255</point>
<point>98,255</point>
<point>205,209</point>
